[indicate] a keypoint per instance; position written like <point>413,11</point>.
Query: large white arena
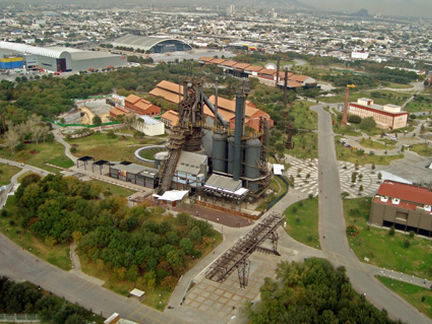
<point>62,59</point>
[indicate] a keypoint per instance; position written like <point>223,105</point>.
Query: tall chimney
<point>285,102</point>
<point>238,133</point>
<point>345,112</point>
<point>277,71</point>
<point>216,102</point>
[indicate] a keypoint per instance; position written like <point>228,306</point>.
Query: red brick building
<point>141,106</point>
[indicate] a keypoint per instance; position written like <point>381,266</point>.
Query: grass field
<point>422,102</point>
<point>384,250</point>
<point>396,85</point>
<point>157,298</point>
<point>305,146</point>
<point>40,154</point>
<point>422,149</point>
<point>102,146</point>
<point>57,255</point>
<point>149,154</point>
<point>420,298</point>
<point>302,222</point>
<point>355,156</point>
<point>278,187</point>
<point>375,145</point>
<point>7,172</point>
<point>115,190</point>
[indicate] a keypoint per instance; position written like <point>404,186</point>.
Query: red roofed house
<point>406,206</point>
<point>170,118</point>
<point>119,111</point>
<point>141,106</point>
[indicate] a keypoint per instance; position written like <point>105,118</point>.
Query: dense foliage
<point>129,241</point>
<point>312,292</point>
<point>29,299</point>
<point>54,95</point>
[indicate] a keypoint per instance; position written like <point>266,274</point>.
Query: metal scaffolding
<point>237,257</point>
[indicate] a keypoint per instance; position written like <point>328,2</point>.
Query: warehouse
<point>134,173</point>
<point>62,59</point>
<point>151,44</point>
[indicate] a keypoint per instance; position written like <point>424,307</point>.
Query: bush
<point>310,196</point>
<point>392,231</point>
<point>354,119</point>
<point>406,244</point>
<point>367,123</point>
<point>73,149</point>
<point>411,234</point>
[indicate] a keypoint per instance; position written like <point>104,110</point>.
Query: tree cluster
<point>30,299</point>
<point>33,129</point>
<point>312,292</point>
<point>134,243</point>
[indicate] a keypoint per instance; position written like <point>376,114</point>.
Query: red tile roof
<point>405,192</point>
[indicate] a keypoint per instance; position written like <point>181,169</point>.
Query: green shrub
<point>391,231</point>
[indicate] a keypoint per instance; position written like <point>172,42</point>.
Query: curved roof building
<point>152,44</point>
<point>62,59</point>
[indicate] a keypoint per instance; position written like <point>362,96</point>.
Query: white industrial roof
<point>390,176</point>
<point>172,195</point>
<point>142,42</point>
<point>278,168</point>
<point>28,49</point>
<point>149,120</point>
<point>54,52</point>
<point>137,293</point>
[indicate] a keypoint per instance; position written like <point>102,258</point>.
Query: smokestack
<point>285,89</point>
<point>277,71</point>
<point>345,112</point>
<point>216,101</point>
<point>238,133</point>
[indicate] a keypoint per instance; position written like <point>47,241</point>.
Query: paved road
<point>19,265</point>
<point>332,227</point>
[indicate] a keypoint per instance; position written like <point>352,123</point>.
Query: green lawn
<point>40,154</point>
<point>422,149</point>
<point>305,145</point>
<point>356,156</point>
<point>384,250</point>
<point>278,187</point>
<point>375,145</point>
<point>57,255</point>
<point>115,190</point>
<point>7,172</point>
<point>421,102</point>
<point>149,154</point>
<point>102,146</point>
<point>396,85</point>
<point>420,298</point>
<point>302,222</point>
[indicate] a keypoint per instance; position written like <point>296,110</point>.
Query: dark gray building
<point>405,206</point>
<point>134,173</point>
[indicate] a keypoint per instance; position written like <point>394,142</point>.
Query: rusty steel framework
<point>237,257</point>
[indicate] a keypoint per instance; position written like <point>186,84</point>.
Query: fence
<point>19,318</point>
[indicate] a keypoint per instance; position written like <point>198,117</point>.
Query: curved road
<point>332,231</point>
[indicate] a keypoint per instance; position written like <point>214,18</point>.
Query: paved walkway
<point>332,231</point>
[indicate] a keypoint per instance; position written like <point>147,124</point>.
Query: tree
<point>187,245</point>
<point>379,176</point>
<point>322,293</point>
<point>353,177</point>
<point>195,234</point>
<point>367,124</point>
<point>12,139</point>
<point>96,120</point>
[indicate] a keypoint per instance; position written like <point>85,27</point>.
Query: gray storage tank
<point>252,162</point>
<point>159,157</point>
<point>219,152</point>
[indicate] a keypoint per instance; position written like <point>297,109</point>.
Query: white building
<point>149,125</point>
<point>359,55</point>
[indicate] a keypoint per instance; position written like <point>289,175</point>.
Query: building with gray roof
<point>62,59</point>
<point>151,44</point>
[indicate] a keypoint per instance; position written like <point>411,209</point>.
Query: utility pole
<point>277,71</point>
<point>285,101</point>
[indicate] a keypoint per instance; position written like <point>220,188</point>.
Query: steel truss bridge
<point>237,257</point>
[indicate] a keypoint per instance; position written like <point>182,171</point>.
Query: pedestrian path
<point>305,174</point>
